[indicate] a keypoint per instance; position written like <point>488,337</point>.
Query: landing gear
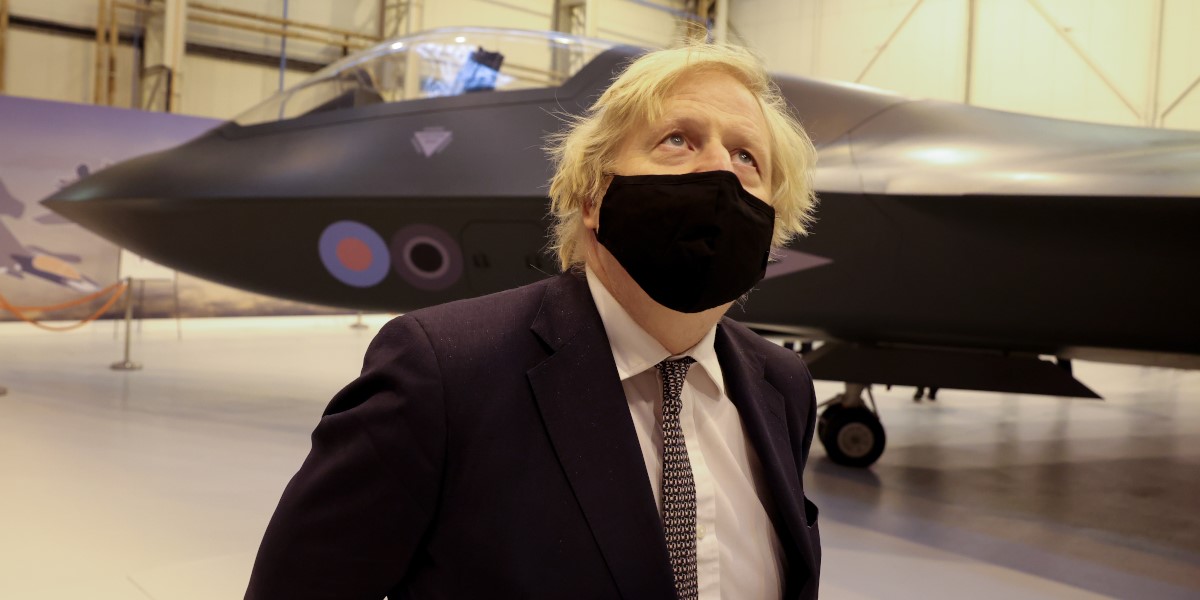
<point>851,433</point>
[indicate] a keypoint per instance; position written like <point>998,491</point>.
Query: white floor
<point>157,484</point>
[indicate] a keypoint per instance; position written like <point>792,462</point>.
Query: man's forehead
<point>734,107</point>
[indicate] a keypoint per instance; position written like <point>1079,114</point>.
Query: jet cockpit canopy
<point>432,64</point>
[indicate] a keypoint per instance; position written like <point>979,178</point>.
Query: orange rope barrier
<point>118,290</point>
<point>69,303</point>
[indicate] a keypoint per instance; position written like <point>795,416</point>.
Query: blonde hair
<point>584,153</point>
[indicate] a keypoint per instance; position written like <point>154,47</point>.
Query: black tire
<point>828,414</point>
<point>853,437</point>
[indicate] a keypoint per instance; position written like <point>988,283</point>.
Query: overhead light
<point>398,46</point>
<point>943,156</point>
<point>460,39</point>
<point>1023,176</point>
<point>563,40</point>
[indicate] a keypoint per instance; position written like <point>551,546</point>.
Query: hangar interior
<point>158,483</point>
<point>1127,62</point>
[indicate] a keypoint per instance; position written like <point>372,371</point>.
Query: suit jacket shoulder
<point>783,368</point>
<point>481,324</point>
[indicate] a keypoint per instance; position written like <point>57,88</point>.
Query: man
<point>605,433</point>
<point>917,395</point>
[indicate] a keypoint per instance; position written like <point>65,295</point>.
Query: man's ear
<point>591,214</point>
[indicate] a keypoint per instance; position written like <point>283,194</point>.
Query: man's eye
<point>675,139</point>
<point>746,158</point>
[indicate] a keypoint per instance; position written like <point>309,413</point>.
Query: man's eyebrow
<point>746,135</point>
<point>679,122</point>
<point>754,140</point>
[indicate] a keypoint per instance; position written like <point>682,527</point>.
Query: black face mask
<point>691,241</point>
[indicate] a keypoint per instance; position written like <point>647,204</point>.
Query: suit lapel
<point>585,412</point>
<point>761,409</point>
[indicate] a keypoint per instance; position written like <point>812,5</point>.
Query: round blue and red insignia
<point>354,254</point>
<point>426,257</point>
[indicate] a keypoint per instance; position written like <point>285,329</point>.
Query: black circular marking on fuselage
<point>427,257</point>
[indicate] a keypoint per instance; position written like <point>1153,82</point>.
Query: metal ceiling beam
<point>1152,116</point>
<point>721,22</point>
<point>1184,95</point>
<point>3,55</point>
<point>174,45</point>
<point>1062,33</point>
<point>889,40</point>
<point>969,70</point>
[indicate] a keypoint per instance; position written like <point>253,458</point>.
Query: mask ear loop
<point>593,204</point>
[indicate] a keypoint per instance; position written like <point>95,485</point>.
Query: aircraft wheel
<point>829,413</point>
<point>852,437</point>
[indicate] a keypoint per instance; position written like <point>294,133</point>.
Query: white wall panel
<point>360,16</point>
<point>354,15</point>
<point>81,13</point>
<point>518,14</point>
<point>1099,68</point>
<point>785,34</point>
<point>923,51</point>
<point>222,89</point>
<point>1180,68</point>
<point>634,23</point>
<point>901,45</point>
<point>53,67</point>
<point>1186,115</point>
<point>619,20</point>
<point>1024,64</point>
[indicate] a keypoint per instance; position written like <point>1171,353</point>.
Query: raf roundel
<point>354,254</point>
<point>426,257</point>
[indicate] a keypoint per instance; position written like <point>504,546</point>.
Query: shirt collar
<point>634,350</point>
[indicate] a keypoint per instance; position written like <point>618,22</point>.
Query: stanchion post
<point>358,322</point>
<point>127,364</point>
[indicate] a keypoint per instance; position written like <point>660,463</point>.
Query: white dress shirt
<point>738,553</point>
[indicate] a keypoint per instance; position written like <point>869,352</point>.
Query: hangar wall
<point>1127,62</point>
<point>57,62</point>
<point>58,67</point>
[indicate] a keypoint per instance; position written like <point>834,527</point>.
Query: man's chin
<point>625,288</point>
<point>720,309</point>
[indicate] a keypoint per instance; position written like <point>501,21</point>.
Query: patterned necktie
<point>678,487</point>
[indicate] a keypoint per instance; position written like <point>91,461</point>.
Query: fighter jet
<point>955,246</point>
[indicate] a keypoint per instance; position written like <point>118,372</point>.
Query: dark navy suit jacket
<point>487,451</point>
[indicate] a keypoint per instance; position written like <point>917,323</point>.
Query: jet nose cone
<point>98,201</point>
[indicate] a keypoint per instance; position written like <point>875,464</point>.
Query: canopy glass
<point>431,64</point>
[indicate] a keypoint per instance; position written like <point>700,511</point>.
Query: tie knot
<point>673,373</point>
<point>679,365</point>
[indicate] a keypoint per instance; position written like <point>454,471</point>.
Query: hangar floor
<point>157,484</point>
